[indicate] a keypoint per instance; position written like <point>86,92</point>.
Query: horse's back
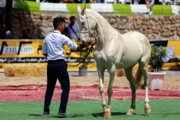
<point>136,46</point>
<point>135,39</point>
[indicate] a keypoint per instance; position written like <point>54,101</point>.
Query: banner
<point>30,51</point>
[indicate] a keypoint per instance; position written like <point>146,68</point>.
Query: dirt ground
<point>169,81</point>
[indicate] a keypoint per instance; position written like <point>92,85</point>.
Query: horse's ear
<point>79,9</point>
<point>83,10</point>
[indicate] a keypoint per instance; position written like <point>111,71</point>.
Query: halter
<point>89,29</point>
<point>90,49</point>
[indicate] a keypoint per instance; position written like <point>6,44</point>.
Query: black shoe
<point>63,115</point>
<point>46,113</point>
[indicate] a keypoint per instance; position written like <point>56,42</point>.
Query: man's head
<point>59,23</point>
<point>72,20</point>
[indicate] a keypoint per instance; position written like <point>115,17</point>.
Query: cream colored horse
<point>114,50</point>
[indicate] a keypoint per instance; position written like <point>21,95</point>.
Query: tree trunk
<point>8,13</point>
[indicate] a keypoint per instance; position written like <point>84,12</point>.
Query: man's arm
<point>45,55</point>
<point>81,46</point>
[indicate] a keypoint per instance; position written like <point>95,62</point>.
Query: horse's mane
<point>100,17</point>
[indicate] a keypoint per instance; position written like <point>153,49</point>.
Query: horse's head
<point>87,25</point>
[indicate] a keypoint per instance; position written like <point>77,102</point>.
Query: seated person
<point>149,4</point>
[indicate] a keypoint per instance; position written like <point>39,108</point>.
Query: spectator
<point>77,1</point>
<point>138,1</point>
<point>51,1</point>
<point>141,1</point>
<point>88,1</point>
<point>73,28</point>
<point>98,1</point>
<point>26,34</point>
<point>44,1</point>
<point>149,4</point>
<point>94,1</point>
<point>169,2</point>
<point>5,33</point>
<point>66,32</point>
<point>67,1</point>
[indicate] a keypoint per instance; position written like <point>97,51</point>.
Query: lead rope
<point>89,29</point>
<point>84,57</point>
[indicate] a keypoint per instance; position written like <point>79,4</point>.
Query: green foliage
<point>28,6</point>
<point>122,9</point>
<point>72,8</point>
<point>165,10</point>
<point>157,53</point>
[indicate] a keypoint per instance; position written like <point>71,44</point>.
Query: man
<point>57,67</point>
<point>73,28</point>
<point>149,4</point>
<point>66,32</point>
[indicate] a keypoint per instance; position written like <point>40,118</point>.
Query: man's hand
<point>92,42</point>
<point>45,55</point>
<point>81,46</point>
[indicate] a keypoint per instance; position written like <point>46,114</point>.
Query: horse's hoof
<point>147,110</point>
<point>130,112</point>
<point>107,115</point>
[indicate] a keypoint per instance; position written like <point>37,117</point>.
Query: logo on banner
<point>14,50</point>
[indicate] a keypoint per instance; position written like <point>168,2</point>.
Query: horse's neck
<point>105,31</point>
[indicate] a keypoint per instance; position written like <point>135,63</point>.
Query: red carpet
<point>37,92</point>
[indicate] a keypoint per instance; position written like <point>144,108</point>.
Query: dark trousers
<point>57,70</point>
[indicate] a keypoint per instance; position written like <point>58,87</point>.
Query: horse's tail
<point>138,77</point>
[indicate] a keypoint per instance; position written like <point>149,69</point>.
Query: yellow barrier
<point>176,45</point>
<point>30,51</point>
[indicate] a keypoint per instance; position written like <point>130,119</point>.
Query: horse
<point>113,51</point>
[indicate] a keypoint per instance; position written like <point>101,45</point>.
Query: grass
<point>89,110</point>
<point>72,8</point>
<point>27,6</point>
<point>165,10</point>
<point>122,9</point>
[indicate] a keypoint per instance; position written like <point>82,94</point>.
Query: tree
<point>8,13</point>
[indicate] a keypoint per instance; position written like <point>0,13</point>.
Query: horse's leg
<point>144,68</point>
<point>110,91</point>
<point>101,88</point>
<point>131,80</point>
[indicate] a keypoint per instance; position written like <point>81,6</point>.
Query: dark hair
<point>72,17</point>
<point>58,21</point>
